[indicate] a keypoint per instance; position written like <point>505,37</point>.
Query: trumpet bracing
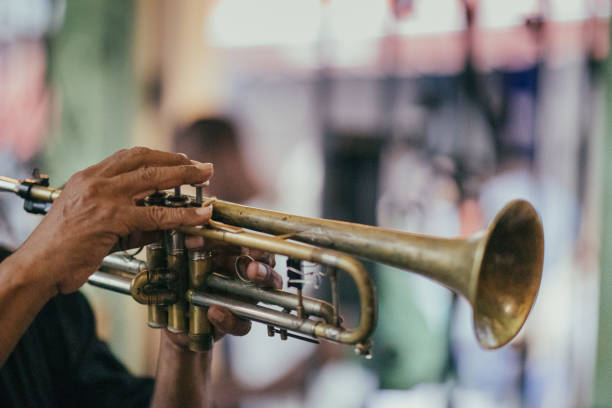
<point>497,270</point>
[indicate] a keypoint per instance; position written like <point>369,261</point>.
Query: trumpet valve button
<point>198,191</point>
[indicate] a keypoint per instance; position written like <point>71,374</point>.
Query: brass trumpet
<point>497,270</point>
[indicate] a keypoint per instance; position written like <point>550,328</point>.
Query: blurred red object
<point>402,8</point>
<point>25,100</point>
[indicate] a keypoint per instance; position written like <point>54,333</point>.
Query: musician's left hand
<point>256,266</point>
<point>183,376</point>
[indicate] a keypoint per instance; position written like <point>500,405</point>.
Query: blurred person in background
<point>25,103</point>
<point>216,139</point>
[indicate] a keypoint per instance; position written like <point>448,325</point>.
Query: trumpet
<point>498,270</point>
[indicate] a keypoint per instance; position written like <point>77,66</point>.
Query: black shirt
<point>60,362</point>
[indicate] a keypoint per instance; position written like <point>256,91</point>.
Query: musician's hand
<point>260,271</point>
<point>256,266</point>
<point>98,207</point>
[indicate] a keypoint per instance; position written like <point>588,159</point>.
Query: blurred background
<point>424,116</point>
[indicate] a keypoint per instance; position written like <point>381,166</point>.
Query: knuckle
<point>149,174</point>
<point>121,153</point>
<point>120,156</point>
<point>157,217</point>
<point>242,327</point>
<point>231,324</point>
<point>189,172</point>
<point>139,151</point>
<point>188,216</point>
<point>110,214</point>
<point>90,189</point>
<point>109,211</point>
<point>182,157</point>
<point>77,177</point>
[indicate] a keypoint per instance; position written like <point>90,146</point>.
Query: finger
<point>232,260</point>
<point>261,256</point>
<point>263,275</point>
<point>130,159</point>
<point>147,180</point>
<point>226,322</point>
<point>162,218</point>
<point>227,260</point>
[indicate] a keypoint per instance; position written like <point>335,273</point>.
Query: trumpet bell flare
<point>510,274</point>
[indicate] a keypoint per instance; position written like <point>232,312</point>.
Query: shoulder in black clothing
<point>61,362</point>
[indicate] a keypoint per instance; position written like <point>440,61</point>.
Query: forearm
<point>183,377</point>
<point>23,293</point>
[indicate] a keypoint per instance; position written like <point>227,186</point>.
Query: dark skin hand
<point>260,272</point>
<point>98,206</point>
<point>182,375</point>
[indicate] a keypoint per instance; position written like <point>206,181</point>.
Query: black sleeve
<point>98,379</point>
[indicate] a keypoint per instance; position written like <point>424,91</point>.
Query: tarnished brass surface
<point>156,260</point>
<point>287,300</point>
<point>497,270</point>
<point>318,255</point>
<point>177,312</point>
<point>38,193</point>
<point>200,329</point>
<point>144,293</point>
<point>200,267</point>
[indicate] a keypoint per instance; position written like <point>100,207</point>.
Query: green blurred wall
<point>90,72</point>
<point>603,379</point>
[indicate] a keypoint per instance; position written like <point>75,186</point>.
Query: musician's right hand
<point>98,207</point>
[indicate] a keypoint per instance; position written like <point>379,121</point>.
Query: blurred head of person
<point>216,140</point>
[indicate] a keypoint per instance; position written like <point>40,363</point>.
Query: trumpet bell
<point>509,274</point>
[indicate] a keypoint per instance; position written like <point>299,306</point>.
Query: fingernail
<point>204,211</point>
<point>203,166</point>
<point>262,271</point>
<point>183,154</point>
<point>216,315</point>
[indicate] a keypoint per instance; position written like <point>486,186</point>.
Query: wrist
<point>179,343</point>
<point>183,376</point>
<point>28,272</point>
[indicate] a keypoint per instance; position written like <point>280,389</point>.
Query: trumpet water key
<point>497,270</point>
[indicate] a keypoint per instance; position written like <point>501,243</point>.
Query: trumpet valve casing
<point>200,329</point>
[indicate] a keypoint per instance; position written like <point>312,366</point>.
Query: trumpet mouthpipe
<point>124,263</point>
<point>111,281</point>
<point>9,185</point>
